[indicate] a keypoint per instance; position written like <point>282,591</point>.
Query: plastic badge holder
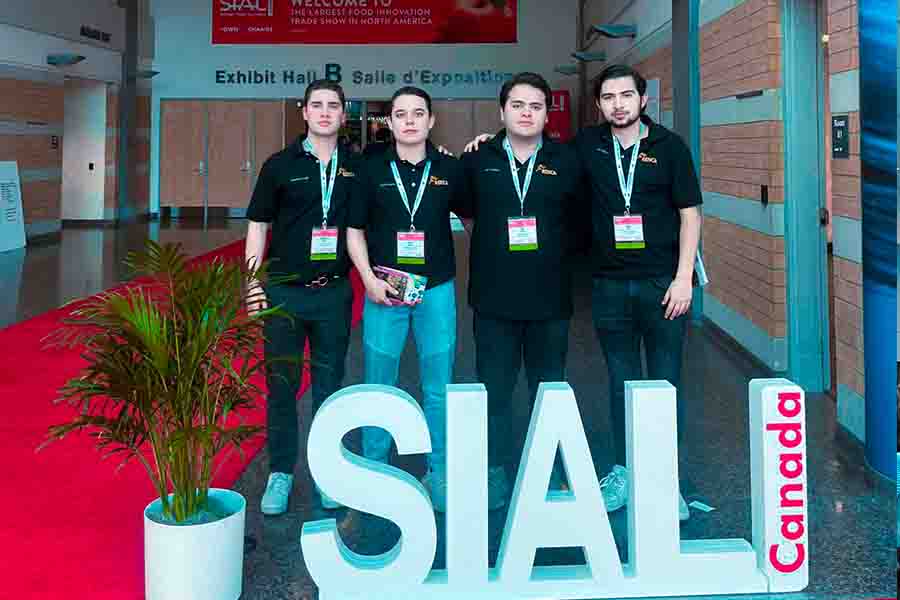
<point>410,287</point>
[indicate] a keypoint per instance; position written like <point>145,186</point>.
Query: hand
<point>443,150</point>
<point>377,290</point>
<point>678,298</point>
<point>256,300</point>
<point>474,144</point>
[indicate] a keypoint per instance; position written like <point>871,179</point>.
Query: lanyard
<point>521,191</point>
<point>627,187</point>
<point>327,186</point>
<point>402,189</point>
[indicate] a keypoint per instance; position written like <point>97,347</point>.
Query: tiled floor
<point>852,512</point>
<point>85,261</point>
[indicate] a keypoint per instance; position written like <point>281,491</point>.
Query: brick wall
<point>31,108</point>
<point>843,55</point>
<point>659,66</point>
<point>843,45</point>
<point>741,50</point>
<point>738,159</point>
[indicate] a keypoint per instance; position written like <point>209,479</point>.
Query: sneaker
<point>435,483</point>
<point>327,502</point>
<point>614,488</point>
<point>278,491</point>
<point>498,488</point>
<point>684,513</point>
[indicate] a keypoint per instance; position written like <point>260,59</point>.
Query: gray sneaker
<point>435,483</point>
<point>614,488</point>
<point>498,488</point>
<point>278,492</point>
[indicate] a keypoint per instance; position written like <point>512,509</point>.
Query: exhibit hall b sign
<point>364,21</point>
<point>660,563</point>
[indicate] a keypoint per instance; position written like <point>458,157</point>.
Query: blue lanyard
<point>521,191</point>
<point>419,194</point>
<point>627,186</point>
<point>326,183</point>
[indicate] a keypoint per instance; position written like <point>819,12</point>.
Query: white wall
<point>64,18</point>
<point>84,142</point>
<point>24,48</point>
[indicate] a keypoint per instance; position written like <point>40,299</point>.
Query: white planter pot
<point>200,562</point>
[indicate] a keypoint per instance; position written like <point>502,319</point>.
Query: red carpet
<point>73,527</point>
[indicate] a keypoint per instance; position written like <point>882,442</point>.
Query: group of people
<point>627,188</point>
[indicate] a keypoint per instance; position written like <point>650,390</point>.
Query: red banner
<point>559,117</point>
<point>364,21</point>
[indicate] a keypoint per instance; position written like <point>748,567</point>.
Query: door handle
<point>201,169</point>
<point>245,168</point>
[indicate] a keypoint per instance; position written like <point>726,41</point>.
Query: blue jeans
<point>627,311</point>
<point>385,329</point>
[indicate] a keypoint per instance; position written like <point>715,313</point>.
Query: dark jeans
<point>626,312</point>
<point>500,346</point>
<point>322,316</point>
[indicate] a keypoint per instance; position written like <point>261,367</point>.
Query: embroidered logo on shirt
<point>299,179</point>
<point>647,159</point>
<point>603,150</point>
<point>433,180</point>
<point>545,170</point>
<point>490,170</point>
<point>386,185</point>
<point>345,173</point>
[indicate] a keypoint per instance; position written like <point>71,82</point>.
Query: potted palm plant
<point>171,364</point>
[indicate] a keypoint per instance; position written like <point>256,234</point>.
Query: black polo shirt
<point>533,284</point>
<point>665,182</point>
<point>382,213</point>
<point>288,195</point>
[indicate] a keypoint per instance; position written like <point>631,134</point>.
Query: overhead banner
<point>364,21</point>
<point>559,117</point>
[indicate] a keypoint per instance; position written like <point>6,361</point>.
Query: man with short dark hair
<point>402,223</point>
<point>525,207</point>
<point>645,198</point>
<point>303,193</point>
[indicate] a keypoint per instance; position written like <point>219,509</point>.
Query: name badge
<point>411,247</point>
<point>629,232</point>
<point>522,233</point>
<point>324,244</point>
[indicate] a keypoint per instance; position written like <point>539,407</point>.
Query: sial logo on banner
<point>660,562</point>
<point>247,8</point>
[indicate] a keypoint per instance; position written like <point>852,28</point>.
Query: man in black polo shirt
<point>303,193</point>
<point>403,222</point>
<point>645,199</point>
<point>525,209</point>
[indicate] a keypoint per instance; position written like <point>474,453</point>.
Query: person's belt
<point>321,281</point>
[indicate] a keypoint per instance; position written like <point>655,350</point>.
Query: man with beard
<point>645,199</point>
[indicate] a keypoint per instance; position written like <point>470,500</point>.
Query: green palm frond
<point>171,364</point>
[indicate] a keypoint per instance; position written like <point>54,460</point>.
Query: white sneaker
<point>278,492</point>
<point>498,488</point>
<point>614,488</point>
<point>435,483</point>
<point>684,513</point>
